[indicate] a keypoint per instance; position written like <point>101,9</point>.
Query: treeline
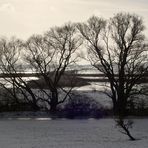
<point>117,44</point>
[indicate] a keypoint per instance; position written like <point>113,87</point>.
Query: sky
<point>22,18</point>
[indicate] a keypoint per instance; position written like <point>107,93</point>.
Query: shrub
<point>82,106</point>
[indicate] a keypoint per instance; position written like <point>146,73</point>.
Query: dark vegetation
<point>83,107</point>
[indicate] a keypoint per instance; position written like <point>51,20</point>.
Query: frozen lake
<point>62,133</point>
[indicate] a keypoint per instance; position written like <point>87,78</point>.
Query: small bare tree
<point>50,55</point>
<point>117,48</point>
<point>10,65</point>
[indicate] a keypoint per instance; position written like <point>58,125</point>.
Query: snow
<point>63,133</point>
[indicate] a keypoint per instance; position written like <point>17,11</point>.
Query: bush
<point>82,106</point>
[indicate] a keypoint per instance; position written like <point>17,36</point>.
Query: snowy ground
<point>62,133</point>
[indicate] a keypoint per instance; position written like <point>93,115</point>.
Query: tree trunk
<point>53,108</point>
<point>54,102</point>
<point>119,107</point>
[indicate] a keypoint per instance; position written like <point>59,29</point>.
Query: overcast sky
<point>23,18</point>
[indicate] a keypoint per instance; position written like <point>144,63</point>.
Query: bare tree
<point>117,48</point>
<point>10,65</point>
<point>50,55</point>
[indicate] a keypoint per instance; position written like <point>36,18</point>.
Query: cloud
<point>7,7</point>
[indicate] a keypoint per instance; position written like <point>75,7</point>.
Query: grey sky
<point>23,18</point>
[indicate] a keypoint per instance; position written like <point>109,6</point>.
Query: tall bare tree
<point>11,65</point>
<point>50,55</point>
<point>117,48</point>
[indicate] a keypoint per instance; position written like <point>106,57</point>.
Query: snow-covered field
<point>62,133</point>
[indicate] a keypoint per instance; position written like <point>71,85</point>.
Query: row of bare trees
<point>117,47</point>
<point>47,55</point>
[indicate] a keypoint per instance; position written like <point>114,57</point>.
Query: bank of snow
<point>69,134</point>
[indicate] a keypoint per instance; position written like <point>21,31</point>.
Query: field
<point>62,133</point>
